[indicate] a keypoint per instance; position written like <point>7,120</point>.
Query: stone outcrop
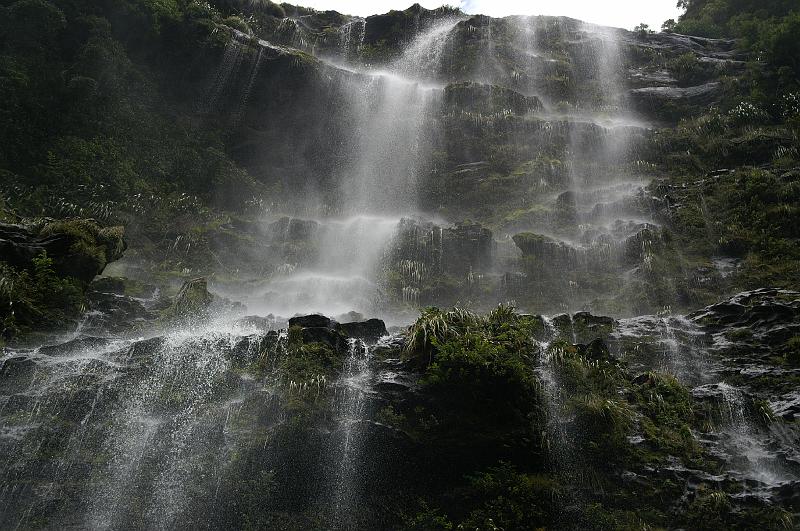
<point>79,248</point>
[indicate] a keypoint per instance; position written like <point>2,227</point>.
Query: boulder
<point>326,336</point>
<point>192,299</point>
<point>370,330</point>
<point>312,321</point>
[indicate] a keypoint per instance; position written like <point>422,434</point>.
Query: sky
<point>619,13</point>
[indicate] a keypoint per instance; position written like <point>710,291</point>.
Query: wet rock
<point>141,351</point>
<point>326,336</point>
<point>193,298</point>
<point>395,378</point>
<point>390,346</point>
<point>370,330</point>
<point>116,314</point>
<point>758,309</point>
<point>597,350</point>
<point>708,392</point>
<point>545,248</point>
<point>649,98</point>
<point>16,374</point>
<point>350,317</point>
<point>270,322</point>
<point>124,286</point>
<point>787,406</point>
<point>467,246</point>
<point>787,494</point>
<point>312,321</point>
<point>646,241</point>
<point>593,323</point>
<point>488,99</point>
<point>293,229</point>
<point>76,345</point>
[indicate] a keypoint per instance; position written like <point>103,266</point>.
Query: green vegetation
<point>491,430</point>
<point>37,299</point>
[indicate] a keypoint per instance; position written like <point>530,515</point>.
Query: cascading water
<point>376,188</point>
<point>197,427</point>
<point>676,345</point>
<point>342,279</point>
<point>146,424</point>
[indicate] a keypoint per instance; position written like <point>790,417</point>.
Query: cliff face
<point>524,124</point>
<point>633,194</point>
<point>596,138</point>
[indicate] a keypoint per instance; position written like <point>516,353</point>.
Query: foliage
<point>37,299</point>
<point>767,29</point>
<point>508,499</point>
<point>435,326</point>
<point>89,89</point>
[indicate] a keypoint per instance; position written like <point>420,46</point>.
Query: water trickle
<point>231,59</point>
<point>351,405</point>
<point>745,444</point>
<point>254,70</point>
<point>351,37</point>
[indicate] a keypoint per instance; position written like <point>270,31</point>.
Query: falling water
<point>745,444</point>
<point>342,279</point>
<point>352,390</point>
<point>392,108</point>
<point>230,62</point>
<point>351,36</point>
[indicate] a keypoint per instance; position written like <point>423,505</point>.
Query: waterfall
<point>343,278</point>
<point>391,108</point>
<point>168,430</point>
<point>377,186</point>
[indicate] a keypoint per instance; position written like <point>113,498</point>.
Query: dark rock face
<point>83,343</point>
<point>467,246</point>
<point>289,229</point>
<point>767,309</point>
<point>321,329</point>
<point>489,99</point>
<point>370,330</point>
<point>17,373</point>
<point>326,336</point>
<point>544,248</point>
<point>312,321</point>
<point>115,313</point>
<point>655,96</point>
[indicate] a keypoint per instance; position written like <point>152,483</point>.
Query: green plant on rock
<point>435,326</point>
<point>668,413</point>
<point>38,298</point>
<point>510,500</point>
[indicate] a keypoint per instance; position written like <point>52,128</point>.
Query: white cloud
<point>619,13</point>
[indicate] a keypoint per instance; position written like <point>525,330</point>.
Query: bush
<point>37,299</point>
<point>687,69</point>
